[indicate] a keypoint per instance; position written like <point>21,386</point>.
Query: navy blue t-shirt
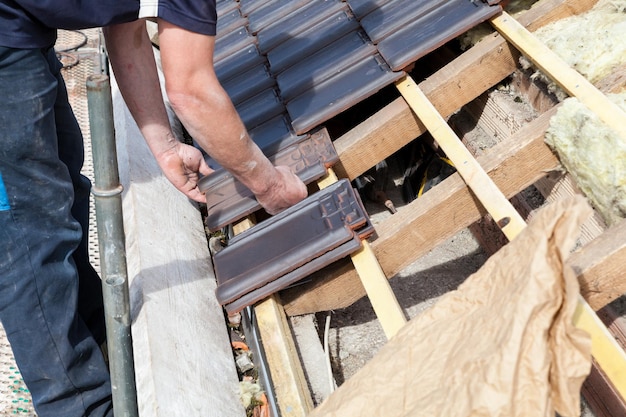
<point>33,23</point>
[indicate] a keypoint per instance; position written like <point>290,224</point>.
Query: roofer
<point>50,296</point>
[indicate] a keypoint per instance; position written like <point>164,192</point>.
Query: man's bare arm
<point>132,59</point>
<point>208,114</point>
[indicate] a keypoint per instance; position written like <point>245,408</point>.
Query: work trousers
<point>50,296</point>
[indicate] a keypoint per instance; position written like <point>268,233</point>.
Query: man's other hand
<point>286,191</point>
<point>182,164</point>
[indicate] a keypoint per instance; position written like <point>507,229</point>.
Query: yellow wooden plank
<point>604,348</point>
<point>292,393</point>
<point>380,293</point>
<point>505,215</point>
<point>374,280</point>
<point>560,72</point>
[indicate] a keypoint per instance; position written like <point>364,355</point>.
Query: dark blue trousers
<point>50,296</point>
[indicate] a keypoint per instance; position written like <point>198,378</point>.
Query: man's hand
<point>182,165</point>
<point>286,191</point>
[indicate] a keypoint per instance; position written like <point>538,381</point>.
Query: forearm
<point>132,60</point>
<point>211,119</point>
<point>205,109</point>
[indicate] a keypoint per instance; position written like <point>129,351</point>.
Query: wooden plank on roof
<point>292,393</point>
<point>380,294</point>
<point>176,319</point>
<point>600,267</point>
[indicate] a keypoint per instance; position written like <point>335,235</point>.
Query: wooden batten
<point>600,267</point>
<point>293,396</point>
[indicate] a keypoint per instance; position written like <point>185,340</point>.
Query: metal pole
<point>107,193</point>
<point>253,338</point>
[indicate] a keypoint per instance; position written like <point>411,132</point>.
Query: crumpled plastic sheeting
<point>502,344</point>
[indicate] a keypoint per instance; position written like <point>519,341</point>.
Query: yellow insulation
<point>593,154</point>
<point>593,43</point>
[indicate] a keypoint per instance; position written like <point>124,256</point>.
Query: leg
<point>71,153</point>
<point>57,355</point>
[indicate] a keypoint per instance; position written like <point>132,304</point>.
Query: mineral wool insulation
<point>593,154</point>
<point>593,44</point>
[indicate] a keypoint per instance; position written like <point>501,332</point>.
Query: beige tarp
<point>503,344</point>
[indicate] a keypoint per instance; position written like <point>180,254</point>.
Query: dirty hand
<point>284,193</point>
<point>182,165</point>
